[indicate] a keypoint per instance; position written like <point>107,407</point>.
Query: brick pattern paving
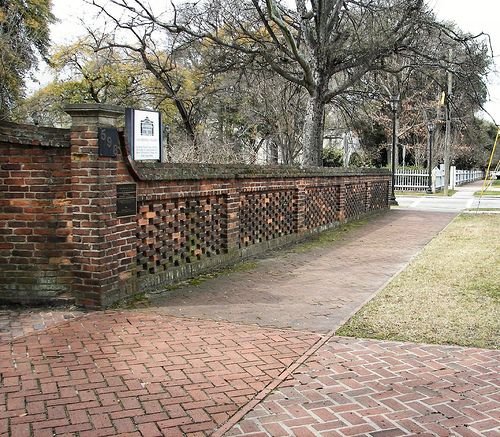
<point>139,373</point>
<point>373,388</point>
<point>18,322</point>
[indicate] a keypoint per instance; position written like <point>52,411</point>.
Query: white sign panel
<point>146,135</point>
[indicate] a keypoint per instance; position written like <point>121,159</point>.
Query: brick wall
<point>191,218</point>
<point>35,213</point>
<point>210,223</point>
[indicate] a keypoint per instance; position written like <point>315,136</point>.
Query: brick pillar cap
<point>90,109</point>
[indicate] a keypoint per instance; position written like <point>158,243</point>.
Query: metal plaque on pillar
<point>108,141</point>
<point>126,199</point>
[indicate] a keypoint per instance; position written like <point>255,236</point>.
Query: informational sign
<point>108,141</point>
<point>144,134</point>
<point>126,199</point>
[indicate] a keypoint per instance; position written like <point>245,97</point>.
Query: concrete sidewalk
<point>461,200</point>
<point>253,353</point>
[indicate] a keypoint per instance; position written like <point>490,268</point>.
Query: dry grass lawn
<point>450,294</point>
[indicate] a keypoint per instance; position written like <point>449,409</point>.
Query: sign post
<point>144,133</point>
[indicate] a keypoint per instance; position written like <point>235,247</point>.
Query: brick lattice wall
<point>60,231</point>
<point>356,200</point>
<point>180,231</point>
<point>186,227</point>
<point>266,215</point>
<point>322,206</point>
<point>378,195</point>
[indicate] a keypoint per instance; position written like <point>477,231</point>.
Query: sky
<point>477,16</point>
<point>471,16</point>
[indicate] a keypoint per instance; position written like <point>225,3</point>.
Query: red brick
<point>149,430</point>
<point>124,425</point>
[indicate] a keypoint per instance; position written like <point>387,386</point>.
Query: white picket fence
<point>466,176</point>
<point>418,180</point>
<point>410,180</point>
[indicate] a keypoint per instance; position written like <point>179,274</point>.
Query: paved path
<point>375,388</point>
<point>16,322</point>
<point>137,373</point>
<point>462,199</point>
<point>315,290</point>
<point>272,368</point>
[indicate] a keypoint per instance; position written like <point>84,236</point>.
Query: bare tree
<point>164,54</point>
<point>324,46</point>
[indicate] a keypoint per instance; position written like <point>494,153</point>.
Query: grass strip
<point>450,294</point>
<point>423,193</point>
<point>487,193</point>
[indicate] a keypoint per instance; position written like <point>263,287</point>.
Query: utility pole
<point>447,136</point>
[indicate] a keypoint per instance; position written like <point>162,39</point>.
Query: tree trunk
<point>313,132</point>
<point>187,122</point>
<point>272,153</point>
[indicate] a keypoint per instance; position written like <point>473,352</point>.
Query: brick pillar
<point>342,199</point>
<point>233,218</point>
<point>99,279</point>
<point>300,205</point>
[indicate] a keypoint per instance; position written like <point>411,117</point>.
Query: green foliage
<point>373,140</point>
<point>466,161</point>
<point>24,32</point>
<point>473,147</point>
<point>356,160</point>
<point>332,157</point>
<point>83,74</point>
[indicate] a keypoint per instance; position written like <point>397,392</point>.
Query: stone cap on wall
<point>95,114</point>
<point>156,171</point>
<point>162,171</point>
<point>30,135</point>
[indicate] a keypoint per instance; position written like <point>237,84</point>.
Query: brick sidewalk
<point>16,322</point>
<point>138,373</point>
<point>147,373</point>
<point>314,290</point>
<point>374,388</point>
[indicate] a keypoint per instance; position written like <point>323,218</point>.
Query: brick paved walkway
<point>147,373</point>
<point>16,322</point>
<point>368,387</point>
<point>316,290</point>
<point>138,373</point>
